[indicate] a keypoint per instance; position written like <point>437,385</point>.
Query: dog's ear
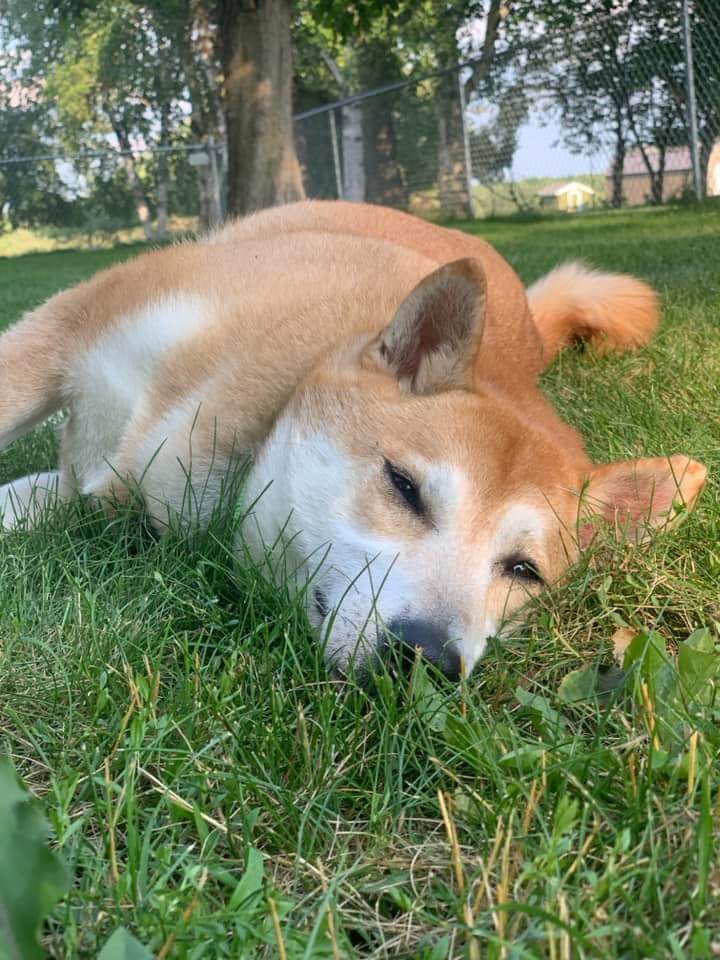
<point>638,496</point>
<point>432,341</point>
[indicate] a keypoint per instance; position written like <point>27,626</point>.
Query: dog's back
<point>180,340</point>
<point>511,336</point>
<point>613,311</point>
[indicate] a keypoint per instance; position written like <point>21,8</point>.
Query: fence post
<point>336,154</point>
<point>466,146</point>
<point>691,105</point>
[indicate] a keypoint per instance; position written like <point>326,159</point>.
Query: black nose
<point>407,636</point>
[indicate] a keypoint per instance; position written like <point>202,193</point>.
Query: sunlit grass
<point>24,240</point>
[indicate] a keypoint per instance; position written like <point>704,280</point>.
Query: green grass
<point>25,240</point>
<point>212,790</point>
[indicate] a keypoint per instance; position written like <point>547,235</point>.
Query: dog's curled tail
<point>613,311</point>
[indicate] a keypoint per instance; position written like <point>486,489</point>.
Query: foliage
<point>118,79</point>
<point>122,945</point>
<point>616,76</point>
<point>32,877</point>
<point>126,75</point>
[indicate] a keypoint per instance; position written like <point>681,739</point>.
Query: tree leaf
<point>251,881</point>
<point>546,719</point>
<point>122,945</point>
<point>32,877</point>
<point>578,685</point>
<point>698,664</point>
<point>596,683</point>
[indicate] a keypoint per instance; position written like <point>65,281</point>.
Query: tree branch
<point>492,26</point>
<point>334,70</point>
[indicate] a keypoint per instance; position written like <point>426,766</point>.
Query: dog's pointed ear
<point>638,496</point>
<point>432,341</point>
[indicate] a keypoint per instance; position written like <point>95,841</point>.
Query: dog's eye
<point>520,568</point>
<point>406,487</point>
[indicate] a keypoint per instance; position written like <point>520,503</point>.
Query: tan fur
<point>351,336</point>
<point>612,310</point>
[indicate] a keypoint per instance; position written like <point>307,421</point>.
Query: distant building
<point>567,197</point>
<point>677,178</point>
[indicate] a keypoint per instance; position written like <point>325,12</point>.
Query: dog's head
<point>419,507</point>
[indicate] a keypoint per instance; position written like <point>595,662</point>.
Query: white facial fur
<point>303,519</point>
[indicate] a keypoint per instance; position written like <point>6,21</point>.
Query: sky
<point>541,153</point>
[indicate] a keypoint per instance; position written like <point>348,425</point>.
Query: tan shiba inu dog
<point>380,374</point>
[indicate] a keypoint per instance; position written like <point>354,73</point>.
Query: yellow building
<point>567,197</point>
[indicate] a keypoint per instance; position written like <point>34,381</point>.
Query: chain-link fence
<point>141,192</point>
<point>575,113</point>
<point>616,110</point>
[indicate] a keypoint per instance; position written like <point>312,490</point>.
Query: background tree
<point>257,66</point>
<point>615,73</point>
<point>359,49</point>
<point>28,195</point>
<point>108,76</point>
<point>104,87</point>
<point>706,55</point>
<point>439,34</point>
<point>195,32</point>
<point>139,80</point>
<point>370,45</point>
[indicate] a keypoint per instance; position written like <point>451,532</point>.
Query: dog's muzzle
<point>405,637</point>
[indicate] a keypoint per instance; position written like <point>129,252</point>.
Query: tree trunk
<point>707,144</point>
<point>162,176</point>
<point>353,153</point>
<point>353,147</point>
<point>455,200</point>
<point>656,186</point>
<point>209,211</point>
<point>651,171</point>
<point>262,166</point>
<point>482,67</point>
<point>617,198</point>
<point>659,178</point>
<point>161,227</point>
<point>209,187</point>
<point>452,177</point>
<point>138,191</point>
<point>384,182</point>
<point>656,176</point>
<point>197,41</point>
<point>618,166</point>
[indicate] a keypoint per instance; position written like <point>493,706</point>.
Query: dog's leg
<point>33,364</point>
<point>23,500</point>
<point>614,311</point>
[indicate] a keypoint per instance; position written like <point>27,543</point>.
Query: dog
<point>380,374</point>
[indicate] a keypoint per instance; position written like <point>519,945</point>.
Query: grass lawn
<point>215,793</point>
